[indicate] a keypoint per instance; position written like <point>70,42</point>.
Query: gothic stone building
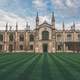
<point>44,38</point>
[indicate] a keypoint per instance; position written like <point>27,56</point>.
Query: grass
<point>59,66</point>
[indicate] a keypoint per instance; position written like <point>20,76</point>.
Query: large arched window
<point>31,37</point>
<point>1,37</point>
<point>11,37</point>
<point>21,37</point>
<point>45,35</point>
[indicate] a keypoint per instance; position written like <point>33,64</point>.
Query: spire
<point>10,28</point>
<point>53,18</point>
<point>16,26</point>
<point>53,21</point>
<point>73,26</point>
<point>63,26</point>
<point>27,27</point>
<point>37,19</point>
<point>6,26</point>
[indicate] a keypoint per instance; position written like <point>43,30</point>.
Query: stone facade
<point>44,38</point>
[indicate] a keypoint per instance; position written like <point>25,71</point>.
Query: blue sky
<point>23,11</point>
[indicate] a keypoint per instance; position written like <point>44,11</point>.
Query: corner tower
<point>37,20</point>
<point>53,21</point>
<point>6,38</point>
<point>53,33</point>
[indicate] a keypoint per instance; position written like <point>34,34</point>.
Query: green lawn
<point>60,66</point>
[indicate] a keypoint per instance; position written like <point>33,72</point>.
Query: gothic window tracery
<point>45,35</point>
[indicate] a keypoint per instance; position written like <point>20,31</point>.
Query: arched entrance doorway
<point>45,47</point>
<point>10,47</point>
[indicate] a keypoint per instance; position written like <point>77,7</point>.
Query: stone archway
<point>45,47</point>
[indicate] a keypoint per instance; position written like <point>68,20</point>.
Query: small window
<point>31,47</point>
<point>59,47</point>
<point>21,47</point>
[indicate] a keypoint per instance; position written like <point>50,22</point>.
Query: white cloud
<point>68,7</point>
<point>40,5</point>
<point>6,17</point>
<point>73,3</point>
<point>44,18</point>
<point>68,3</point>
<point>3,1</point>
<point>58,4</point>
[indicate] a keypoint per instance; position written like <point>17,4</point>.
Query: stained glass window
<point>45,35</point>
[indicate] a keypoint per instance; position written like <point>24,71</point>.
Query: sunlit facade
<point>44,38</point>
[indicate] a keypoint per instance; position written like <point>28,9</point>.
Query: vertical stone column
<point>74,41</point>
<point>54,41</point>
<point>36,42</point>
<point>6,45</point>
<point>53,33</point>
<point>26,40</point>
<point>50,47</point>
<point>64,49</point>
<point>16,41</point>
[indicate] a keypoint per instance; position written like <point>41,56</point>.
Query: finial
<point>16,26</point>
<point>73,25</point>
<point>37,20</point>
<point>53,18</point>
<point>63,26</point>
<point>10,28</point>
<point>28,28</point>
<point>6,26</point>
<point>37,17</point>
<point>26,25</point>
